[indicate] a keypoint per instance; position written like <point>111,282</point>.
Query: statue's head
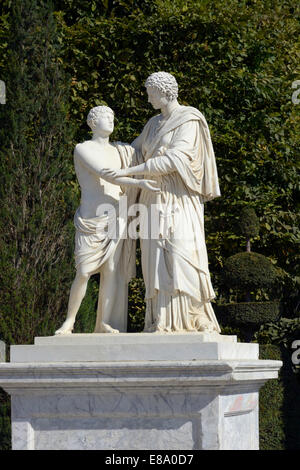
<point>161,88</point>
<point>101,118</point>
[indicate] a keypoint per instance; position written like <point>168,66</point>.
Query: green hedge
<point>246,271</point>
<point>279,404</point>
<point>248,313</point>
<point>233,60</point>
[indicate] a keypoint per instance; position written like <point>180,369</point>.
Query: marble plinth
<point>133,347</point>
<point>157,404</point>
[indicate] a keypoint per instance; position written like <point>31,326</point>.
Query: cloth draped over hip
<point>97,238</point>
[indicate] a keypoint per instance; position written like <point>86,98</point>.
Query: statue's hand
<point>149,185</point>
<point>110,174</point>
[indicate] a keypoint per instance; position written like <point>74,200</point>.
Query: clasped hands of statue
<point>112,175</point>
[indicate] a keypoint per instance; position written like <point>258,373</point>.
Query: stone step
<point>133,338</point>
<point>131,347</point>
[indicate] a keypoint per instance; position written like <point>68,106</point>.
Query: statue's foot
<point>208,328</point>
<point>66,328</point>
<point>105,328</point>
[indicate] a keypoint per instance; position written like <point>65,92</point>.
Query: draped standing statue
<point>177,152</point>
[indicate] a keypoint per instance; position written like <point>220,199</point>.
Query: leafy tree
<point>37,189</point>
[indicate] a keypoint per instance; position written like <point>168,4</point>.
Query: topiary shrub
<point>248,224</point>
<point>249,271</point>
<point>249,313</point>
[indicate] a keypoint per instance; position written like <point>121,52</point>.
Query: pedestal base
<point>158,404</point>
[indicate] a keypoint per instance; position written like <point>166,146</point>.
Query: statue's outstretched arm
<point>93,165</point>
<point>154,166</point>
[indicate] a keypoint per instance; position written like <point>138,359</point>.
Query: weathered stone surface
<point>133,347</point>
<point>138,404</point>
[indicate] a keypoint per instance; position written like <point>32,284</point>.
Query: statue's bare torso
<point>94,189</point>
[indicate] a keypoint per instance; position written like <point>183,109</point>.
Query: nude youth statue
<point>94,250</point>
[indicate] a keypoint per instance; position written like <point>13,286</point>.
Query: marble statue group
<point>169,167</point>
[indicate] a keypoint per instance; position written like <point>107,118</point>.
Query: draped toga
<point>179,154</point>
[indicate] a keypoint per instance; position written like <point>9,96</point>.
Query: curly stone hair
<point>94,114</point>
<point>165,83</point>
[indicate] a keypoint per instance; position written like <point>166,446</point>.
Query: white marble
<point>77,339</point>
<point>240,412</point>
<point>97,250</point>
<point>176,151</point>
<point>134,347</point>
<point>167,405</point>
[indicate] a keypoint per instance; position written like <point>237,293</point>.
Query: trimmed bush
<point>248,223</point>
<point>249,313</point>
<point>246,271</point>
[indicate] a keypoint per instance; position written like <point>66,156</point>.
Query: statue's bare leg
<point>77,293</point>
<point>107,296</point>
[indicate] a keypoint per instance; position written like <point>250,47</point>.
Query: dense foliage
<point>234,60</point>
<point>279,404</point>
<point>283,332</point>
<point>36,192</point>
<point>249,271</point>
<point>248,313</point>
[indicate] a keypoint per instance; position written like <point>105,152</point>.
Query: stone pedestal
<point>135,391</point>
